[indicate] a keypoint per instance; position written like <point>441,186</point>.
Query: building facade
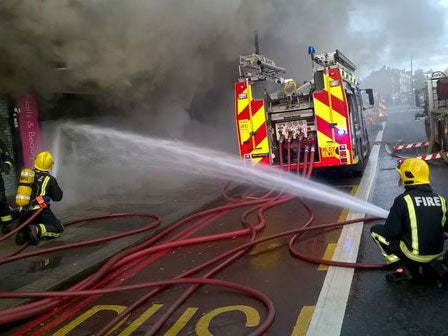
<point>8,135</point>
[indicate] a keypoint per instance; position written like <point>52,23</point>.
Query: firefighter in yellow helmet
<point>45,188</point>
<point>413,235</point>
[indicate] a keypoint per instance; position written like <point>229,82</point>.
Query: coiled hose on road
<point>144,254</point>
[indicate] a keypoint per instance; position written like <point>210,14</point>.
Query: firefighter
<point>5,167</point>
<point>413,235</point>
<point>46,188</point>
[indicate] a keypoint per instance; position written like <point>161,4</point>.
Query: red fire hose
<point>127,259</point>
<point>299,152</point>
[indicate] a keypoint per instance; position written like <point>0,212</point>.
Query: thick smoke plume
<point>167,67</point>
<point>164,53</point>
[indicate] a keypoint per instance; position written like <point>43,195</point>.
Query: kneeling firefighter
<point>412,237</point>
<point>44,188</point>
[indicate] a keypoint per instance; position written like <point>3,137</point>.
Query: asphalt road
<point>291,284</point>
<point>376,307</point>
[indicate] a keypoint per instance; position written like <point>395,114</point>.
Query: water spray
<point>56,149</point>
<point>206,162</point>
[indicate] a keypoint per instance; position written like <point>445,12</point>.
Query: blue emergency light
<point>311,50</point>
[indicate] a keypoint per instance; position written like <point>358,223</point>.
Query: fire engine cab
<point>291,126</point>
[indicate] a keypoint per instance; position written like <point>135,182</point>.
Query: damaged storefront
<point>20,131</point>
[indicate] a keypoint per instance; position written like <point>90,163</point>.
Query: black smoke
<point>165,64</point>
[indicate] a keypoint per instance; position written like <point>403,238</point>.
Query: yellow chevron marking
<point>335,90</point>
<point>258,119</point>
<point>323,139</point>
<point>256,161</point>
<point>244,126</point>
<point>323,111</point>
<point>262,147</point>
<point>324,142</point>
<point>251,113</point>
<point>243,103</point>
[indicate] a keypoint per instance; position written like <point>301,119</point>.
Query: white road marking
<point>330,308</point>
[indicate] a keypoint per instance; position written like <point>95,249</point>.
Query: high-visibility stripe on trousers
<point>6,218</point>
<point>382,242</point>
<point>45,233</point>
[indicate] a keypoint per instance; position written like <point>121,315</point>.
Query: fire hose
<point>229,253</point>
<point>126,259</point>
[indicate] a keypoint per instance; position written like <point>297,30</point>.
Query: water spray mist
<point>184,158</point>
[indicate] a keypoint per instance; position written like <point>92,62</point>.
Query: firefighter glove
<point>42,201</point>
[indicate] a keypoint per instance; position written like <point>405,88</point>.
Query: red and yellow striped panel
<point>331,109</point>
<point>251,125</point>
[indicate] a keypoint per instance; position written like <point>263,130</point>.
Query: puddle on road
<point>45,263</point>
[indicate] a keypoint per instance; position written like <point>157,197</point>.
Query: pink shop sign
<point>29,129</point>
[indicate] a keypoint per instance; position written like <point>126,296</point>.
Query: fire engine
<point>288,126</point>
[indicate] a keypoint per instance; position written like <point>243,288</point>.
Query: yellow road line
<point>343,216</point>
<point>344,213</point>
<point>331,247</point>
<point>344,186</point>
<point>328,255</point>
<point>354,189</point>
<point>303,321</point>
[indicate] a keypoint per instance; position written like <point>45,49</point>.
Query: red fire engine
<point>288,126</point>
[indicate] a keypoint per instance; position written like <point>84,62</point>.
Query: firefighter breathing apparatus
<point>25,191</point>
<point>25,188</point>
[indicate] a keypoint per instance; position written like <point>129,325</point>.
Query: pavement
<point>59,270</point>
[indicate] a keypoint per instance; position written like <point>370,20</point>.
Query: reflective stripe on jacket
<point>46,185</point>
<point>418,219</point>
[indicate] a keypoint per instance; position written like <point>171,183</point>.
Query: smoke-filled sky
<point>161,54</point>
<point>167,67</point>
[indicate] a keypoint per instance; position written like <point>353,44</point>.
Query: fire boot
<point>6,228</point>
<point>22,237</point>
<point>445,258</point>
<point>33,234</point>
<point>399,275</point>
<point>439,272</point>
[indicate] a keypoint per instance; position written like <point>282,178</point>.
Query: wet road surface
<point>376,307</point>
<point>291,284</point>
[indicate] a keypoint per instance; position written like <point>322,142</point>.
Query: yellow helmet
<point>44,161</point>
<point>414,172</point>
